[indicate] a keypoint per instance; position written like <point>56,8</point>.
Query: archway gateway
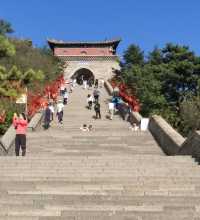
<point>83,74</point>
<point>100,58</point>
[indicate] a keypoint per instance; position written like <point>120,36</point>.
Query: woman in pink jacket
<point>20,124</point>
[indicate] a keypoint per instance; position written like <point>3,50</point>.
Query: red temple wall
<point>103,51</point>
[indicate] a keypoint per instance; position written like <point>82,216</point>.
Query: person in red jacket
<point>20,124</point>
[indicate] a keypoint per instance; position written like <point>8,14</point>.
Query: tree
<point>169,80</point>
<point>184,72</point>
<point>7,49</point>
<point>133,56</point>
<point>22,66</point>
<point>156,56</point>
<point>5,27</point>
<point>189,113</point>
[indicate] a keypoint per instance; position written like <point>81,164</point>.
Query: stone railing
<point>135,117</point>
<point>168,138</point>
<point>108,87</point>
<point>191,145</point>
<point>36,121</point>
<point>171,142</point>
<point>8,138</point>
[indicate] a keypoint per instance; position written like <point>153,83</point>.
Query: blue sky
<point>147,23</point>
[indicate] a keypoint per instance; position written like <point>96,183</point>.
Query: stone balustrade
<point>191,145</point>
<point>171,142</point>
<point>168,138</point>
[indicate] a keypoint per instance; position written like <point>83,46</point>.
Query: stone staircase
<point>109,173</point>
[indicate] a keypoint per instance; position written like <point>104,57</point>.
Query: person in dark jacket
<point>96,84</point>
<point>96,94</point>
<point>65,97</point>
<point>47,117</point>
<point>124,110</point>
<point>97,110</point>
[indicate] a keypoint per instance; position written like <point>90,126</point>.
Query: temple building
<point>87,59</point>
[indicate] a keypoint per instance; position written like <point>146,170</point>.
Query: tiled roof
<point>52,43</point>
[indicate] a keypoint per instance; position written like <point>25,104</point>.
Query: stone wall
<point>100,68</point>
<point>92,51</point>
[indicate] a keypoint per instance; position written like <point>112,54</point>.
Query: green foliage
<point>134,55</point>
<point>28,57</point>
<point>5,27</point>
<point>190,115</point>
<point>14,74</point>
<point>13,81</point>
<point>22,66</point>
<point>6,48</point>
<point>31,76</point>
<point>155,57</point>
<point>6,124</point>
<point>9,107</point>
<point>27,66</point>
<point>167,79</point>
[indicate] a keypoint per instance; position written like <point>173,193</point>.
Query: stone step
<point>111,173</point>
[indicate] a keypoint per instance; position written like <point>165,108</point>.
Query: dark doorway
<point>83,74</point>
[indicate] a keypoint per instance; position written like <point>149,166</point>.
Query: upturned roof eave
<point>53,43</point>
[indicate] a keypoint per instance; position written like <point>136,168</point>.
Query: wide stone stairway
<point>109,173</point>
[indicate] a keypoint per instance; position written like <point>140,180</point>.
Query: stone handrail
<point>108,87</point>
<point>191,145</point>
<point>135,117</point>
<point>35,121</point>
<point>167,137</point>
<point>171,142</point>
<point>9,137</point>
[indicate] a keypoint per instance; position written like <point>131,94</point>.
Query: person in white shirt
<point>111,108</point>
<point>74,82</point>
<point>90,100</point>
<point>101,83</point>
<point>85,84</point>
<point>60,108</point>
<point>52,110</point>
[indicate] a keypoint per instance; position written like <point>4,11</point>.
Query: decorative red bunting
<point>40,101</point>
<point>2,117</point>
<point>130,99</point>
